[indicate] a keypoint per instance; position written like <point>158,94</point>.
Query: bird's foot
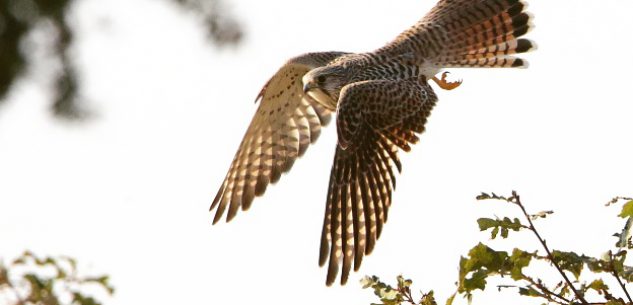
<point>444,84</point>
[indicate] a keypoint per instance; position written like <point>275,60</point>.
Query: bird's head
<point>325,83</point>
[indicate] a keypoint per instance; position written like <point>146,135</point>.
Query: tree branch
<point>547,293</point>
<point>617,277</point>
<point>517,201</point>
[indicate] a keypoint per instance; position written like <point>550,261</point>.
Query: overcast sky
<point>128,192</point>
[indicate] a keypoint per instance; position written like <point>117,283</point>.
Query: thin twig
<point>517,201</point>
<point>405,291</point>
<point>548,292</point>
<point>617,277</point>
<point>616,199</point>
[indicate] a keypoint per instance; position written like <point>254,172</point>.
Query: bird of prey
<point>381,100</point>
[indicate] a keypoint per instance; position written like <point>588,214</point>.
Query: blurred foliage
<point>223,29</point>
<point>19,17</point>
<point>581,277</point>
<point>31,280</point>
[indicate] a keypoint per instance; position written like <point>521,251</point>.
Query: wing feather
<point>283,126</point>
<point>362,178</point>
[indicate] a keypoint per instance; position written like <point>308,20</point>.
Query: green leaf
<point>389,294</point>
<point>483,196</point>
<point>40,286</point>
<point>482,261</point>
<point>504,232</point>
<point>493,196</point>
<point>627,210</point>
<point>542,214</point>
<point>83,300</point>
<point>569,261</point>
<point>476,281</point>
<point>34,281</point>
<point>61,274</point>
<point>487,223</point>
<point>624,236</point>
<point>484,256</point>
<point>519,260</point>
<point>428,299</point>
<point>597,265</point>
<point>504,225</point>
<point>368,281</point>
<point>403,283</point>
<point>494,233</point>
<point>598,285</point>
<point>530,292</point>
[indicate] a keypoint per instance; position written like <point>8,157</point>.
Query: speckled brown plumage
<point>382,100</point>
<point>374,119</point>
<point>285,123</point>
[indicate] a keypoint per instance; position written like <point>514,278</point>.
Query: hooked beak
<point>308,86</point>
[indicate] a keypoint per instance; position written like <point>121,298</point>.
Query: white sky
<point>128,192</point>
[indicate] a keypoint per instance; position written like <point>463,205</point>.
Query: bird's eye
<point>321,79</point>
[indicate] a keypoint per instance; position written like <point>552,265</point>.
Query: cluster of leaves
<point>19,17</point>
<point>31,280</point>
<point>394,296</point>
<point>483,263</point>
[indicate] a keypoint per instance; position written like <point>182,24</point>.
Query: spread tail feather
<point>482,33</point>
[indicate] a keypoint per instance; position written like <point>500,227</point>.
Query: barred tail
<point>482,33</point>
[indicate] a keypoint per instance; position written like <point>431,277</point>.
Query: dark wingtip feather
<point>324,250</point>
<point>525,45</point>
<point>332,272</point>
<point>260,186</point>
<point>218,216</point>
<point>516,8</point>
<point>302,149</point>
<point>358,258</point>
<point>314,136</point>
<point>370,246</point>
<point>233,208</point>
<point>247,198</point>
<point>286,166</point>
<point>520,31</point>
<point>520,20</point>
<point>344,278</point>
<point>519,63</point>
<point>217,198</point>
<point>275,174</point>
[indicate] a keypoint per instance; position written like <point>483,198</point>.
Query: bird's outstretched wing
<point>374,119</point>
<point>285,123</point>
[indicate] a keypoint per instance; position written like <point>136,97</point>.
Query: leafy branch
<point>393,296</point>
<point>27,280</point>
<point>516,199</point>
<point>483,262</point>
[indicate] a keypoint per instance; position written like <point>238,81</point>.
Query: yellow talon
<point>445,84</point>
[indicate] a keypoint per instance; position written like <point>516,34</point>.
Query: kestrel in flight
<point>381,100</point>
